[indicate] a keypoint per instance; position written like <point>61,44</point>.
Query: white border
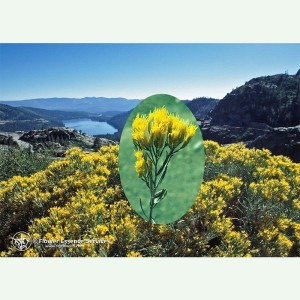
<point>149,21</point>
<point>149,278</point>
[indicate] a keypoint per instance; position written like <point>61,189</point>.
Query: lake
<point>90,127</point>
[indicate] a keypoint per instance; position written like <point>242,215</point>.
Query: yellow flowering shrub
<point>267,207</point>
<point>248,205</point>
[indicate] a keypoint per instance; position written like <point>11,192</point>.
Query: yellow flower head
<point>190,132</point>
<point>178,130</point>
<point>140,164</point>
<point>158,122</point>
<point>161,128</point>
<point>159,115</point>
<point>139,131</point>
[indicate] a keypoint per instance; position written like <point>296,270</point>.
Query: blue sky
<point>137,71</point>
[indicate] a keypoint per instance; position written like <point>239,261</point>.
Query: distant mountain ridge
<point>56,115</point>
<point>87,104</point>
<point>200,107</point>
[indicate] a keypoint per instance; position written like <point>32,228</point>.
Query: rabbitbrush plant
<point>248,206</point>
<point>157,137</point>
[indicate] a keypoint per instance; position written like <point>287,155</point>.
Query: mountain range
<point>88,104</point>
<point>262,113</point>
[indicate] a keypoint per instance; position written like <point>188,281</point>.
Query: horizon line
<point>97,97</point>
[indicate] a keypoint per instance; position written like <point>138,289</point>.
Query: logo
<point>21,241</point>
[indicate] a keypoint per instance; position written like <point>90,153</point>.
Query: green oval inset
<point>160,182</point>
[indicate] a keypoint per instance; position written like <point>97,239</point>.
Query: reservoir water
<point>90,127</point>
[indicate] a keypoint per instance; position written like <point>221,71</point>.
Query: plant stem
<point>154,187</point>
<point>156,180</point>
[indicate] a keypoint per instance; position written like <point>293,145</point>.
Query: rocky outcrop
<point>280,141</point>
<point>56,135</point>
<point>263,113</point>
<point>59,139</point>
<point>229,134</point>
<point>272,100</point>
<point>7,140</point>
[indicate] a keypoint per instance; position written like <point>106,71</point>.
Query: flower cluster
<point>241,210</point>
<point>161,128</point>
<point>158,134</point>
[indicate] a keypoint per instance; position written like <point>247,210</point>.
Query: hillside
<point>88,104</point>
<point>271,100</point>
<point>14,119</point>
<point>9,113</point>
<point>262,113</point>
<point>119,120</point>
<point>56,115</point>
<point>200,107</point>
